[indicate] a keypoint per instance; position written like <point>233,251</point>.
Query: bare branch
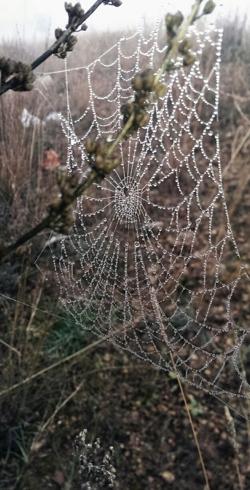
<point>53,49</point>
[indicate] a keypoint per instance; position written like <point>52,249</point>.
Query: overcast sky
<point>35,18</point>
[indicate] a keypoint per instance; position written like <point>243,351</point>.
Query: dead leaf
<point>51,160</point>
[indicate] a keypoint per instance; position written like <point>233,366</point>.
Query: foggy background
<point>35,19</point>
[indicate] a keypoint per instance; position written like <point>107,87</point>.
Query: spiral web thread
<point>146,262</point>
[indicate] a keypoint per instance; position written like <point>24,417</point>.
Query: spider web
<point>147,260</point>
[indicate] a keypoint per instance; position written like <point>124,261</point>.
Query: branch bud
<point>209,7</point>
<point>58,32</point>
<point>178,17</point>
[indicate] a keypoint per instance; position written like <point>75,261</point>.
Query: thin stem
<point>65,360</point>
<point>121,135</point>
<point>48,221</point>
<point>10,347</point>
<point>25,238</point>
<point>244,140</point>
<point>52,366</point>
<point>78,388</point>
<point>183,394</point>
<point>65,35</point>
<point>239,476</point>
<point>172,52</point>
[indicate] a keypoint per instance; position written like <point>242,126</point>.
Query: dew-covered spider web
<point>146,263</point>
